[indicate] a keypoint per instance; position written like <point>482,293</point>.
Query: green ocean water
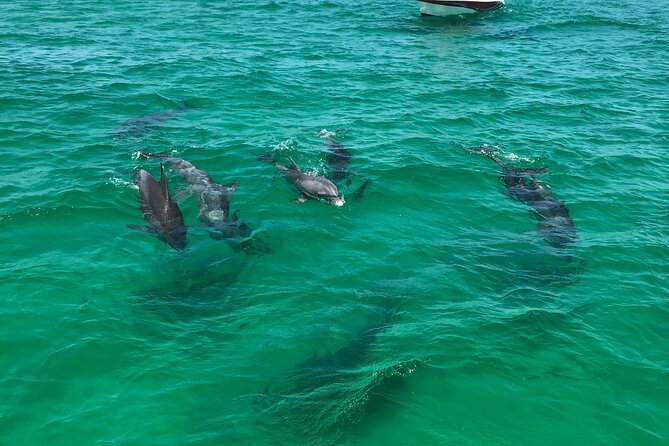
<point>429,312</point>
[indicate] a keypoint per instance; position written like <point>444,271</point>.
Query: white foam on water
<point>514,157</point>
<point>325,133</point>
<point>284,145</point>
<point>122,183</point>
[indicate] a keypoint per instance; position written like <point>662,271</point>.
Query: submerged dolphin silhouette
<point>160,212</point>
<point>309,186</point>
<point>138,126</point>
<point>553,220</point>
<point>334,391</point>
<point>338,160</point>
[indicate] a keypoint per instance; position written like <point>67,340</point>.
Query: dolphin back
<point>160,212</point>
<point>554,223</point>
<point>338,160</point>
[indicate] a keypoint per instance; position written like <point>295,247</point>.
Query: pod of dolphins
<point>165,220</point>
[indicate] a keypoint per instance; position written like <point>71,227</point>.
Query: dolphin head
<point>324,189</point>
<point>336,200</point>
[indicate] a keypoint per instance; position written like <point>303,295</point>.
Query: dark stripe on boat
<point>476,6</point>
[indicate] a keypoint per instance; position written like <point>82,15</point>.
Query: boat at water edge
<point>447,7</point>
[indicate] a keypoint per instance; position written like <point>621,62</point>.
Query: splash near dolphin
<point>554,223</point>
<point>160,211</point>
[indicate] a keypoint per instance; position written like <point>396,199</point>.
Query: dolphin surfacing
<point>213,201</point>
<point>308,186</point>
<point>338,161</point>
<point>160,211</point>
<point>554,223</point>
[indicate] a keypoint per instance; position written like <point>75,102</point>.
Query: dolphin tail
<point>267,157</point>
<point>294,165</point>
<point>154,155</point>
<point>357,194</point>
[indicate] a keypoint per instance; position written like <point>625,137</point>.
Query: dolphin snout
<point>337,201</point>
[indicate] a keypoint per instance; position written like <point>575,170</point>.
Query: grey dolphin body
<point>140,125</point>
<point>309,186</point>
<point>553,220</point>
<point>213,199</point>
<point>338,161</point>
<point>160,212</point>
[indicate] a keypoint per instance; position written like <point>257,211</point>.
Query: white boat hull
<point>446,8</point>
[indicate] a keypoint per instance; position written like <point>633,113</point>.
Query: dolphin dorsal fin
<point>163,181</point>
<point>294,164</point>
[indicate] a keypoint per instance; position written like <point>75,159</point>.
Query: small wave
<point>588,21</point>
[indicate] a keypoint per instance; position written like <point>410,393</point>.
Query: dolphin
<point>337,388</point>
<point>213,200</point>
<point>553,220</point>
<point>160,212</point>
<point>338,161</point>
<point>308,186</point>
<point>140,125</point>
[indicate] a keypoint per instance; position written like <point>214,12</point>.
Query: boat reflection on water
<point>446,7</point>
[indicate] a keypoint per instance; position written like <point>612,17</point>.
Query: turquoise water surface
<point>430,312</point>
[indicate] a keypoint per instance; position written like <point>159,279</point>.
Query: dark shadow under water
<point>190,286</point>
<point>338,163</point>
<point>140,125</point>
<point>506,267</point>
<point>328,396</point>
